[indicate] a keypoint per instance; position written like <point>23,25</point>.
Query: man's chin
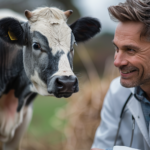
<point>128,83</point>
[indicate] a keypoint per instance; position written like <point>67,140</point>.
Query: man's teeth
<point>125,72</point>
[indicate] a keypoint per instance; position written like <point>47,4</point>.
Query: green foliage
<point>45,121</point>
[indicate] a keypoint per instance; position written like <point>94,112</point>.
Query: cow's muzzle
<point>63,86</point>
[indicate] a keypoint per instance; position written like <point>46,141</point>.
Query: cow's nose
<point>63,86</point>
<point>66,84</point>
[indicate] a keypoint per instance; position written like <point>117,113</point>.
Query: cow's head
<point>48,42</point>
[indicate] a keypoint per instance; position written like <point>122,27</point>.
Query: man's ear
<point>11,31</point>
<point>85,28</point>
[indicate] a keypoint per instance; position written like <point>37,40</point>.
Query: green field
<point>45,120</point>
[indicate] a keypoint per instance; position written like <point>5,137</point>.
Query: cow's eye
<point>36,46</point>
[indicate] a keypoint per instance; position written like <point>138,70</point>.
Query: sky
<point>98,9</point>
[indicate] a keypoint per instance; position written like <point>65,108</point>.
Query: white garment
<point>123,148</point>
<point>110,117</point>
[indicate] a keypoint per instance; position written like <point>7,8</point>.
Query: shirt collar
<point>140,95</point>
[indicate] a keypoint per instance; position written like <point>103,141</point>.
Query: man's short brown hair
<point>133,10</point>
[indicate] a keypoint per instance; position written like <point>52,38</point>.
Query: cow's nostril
<point>59,83</point>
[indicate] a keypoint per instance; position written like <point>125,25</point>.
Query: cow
<point>36,57</point>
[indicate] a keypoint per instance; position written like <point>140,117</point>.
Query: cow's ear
<point>85,28</point>
<point>11,31</point>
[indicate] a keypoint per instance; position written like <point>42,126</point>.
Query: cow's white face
<point>48,48</point>
<point>56,36</point>
<point>48,58</point>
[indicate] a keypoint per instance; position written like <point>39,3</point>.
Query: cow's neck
<point>17,80</point>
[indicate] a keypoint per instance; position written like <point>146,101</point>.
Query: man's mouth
<point>127,72</point>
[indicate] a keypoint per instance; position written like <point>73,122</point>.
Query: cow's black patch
<point>12,74</point>
<point>11,25</point>
<point>85,28</point>
<point>42,40</point>
<point>9,66</point>
<point>17,80</point>
<point>30,98</point>
<point>53,64</point>
<point>3,63</point>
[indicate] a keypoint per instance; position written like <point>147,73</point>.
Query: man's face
<point>132,55</point>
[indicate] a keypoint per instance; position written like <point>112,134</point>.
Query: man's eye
<point>36,46</point>
<point>131,50</point>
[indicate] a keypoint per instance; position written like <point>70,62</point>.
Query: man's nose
<point>120,59</point>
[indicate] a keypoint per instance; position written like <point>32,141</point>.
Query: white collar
<point>132,90</point>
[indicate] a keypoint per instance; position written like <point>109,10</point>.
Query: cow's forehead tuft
<point>47,13</point>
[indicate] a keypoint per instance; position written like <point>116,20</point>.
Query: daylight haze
<point>98,9</point>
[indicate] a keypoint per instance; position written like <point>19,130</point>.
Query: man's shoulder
<point>117,93</point>
<point>116,96</point>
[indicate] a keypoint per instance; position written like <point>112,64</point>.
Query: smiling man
<point>125,117</point>
<point>132,55</point>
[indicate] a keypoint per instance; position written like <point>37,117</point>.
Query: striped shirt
<point>145,104</point>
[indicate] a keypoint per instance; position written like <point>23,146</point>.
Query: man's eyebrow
<point>131,47</point>
<point>128,46</point>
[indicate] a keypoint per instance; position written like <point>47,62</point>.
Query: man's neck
<point>146,89</point>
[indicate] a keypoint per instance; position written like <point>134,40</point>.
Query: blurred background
<point>70,124</point>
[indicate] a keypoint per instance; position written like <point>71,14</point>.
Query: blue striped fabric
<point>140,94</point>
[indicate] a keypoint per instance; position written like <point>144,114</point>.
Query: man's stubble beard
<point>129,84</point>
<point>137,82</point>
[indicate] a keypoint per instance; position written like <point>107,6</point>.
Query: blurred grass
<point>44,118</point>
